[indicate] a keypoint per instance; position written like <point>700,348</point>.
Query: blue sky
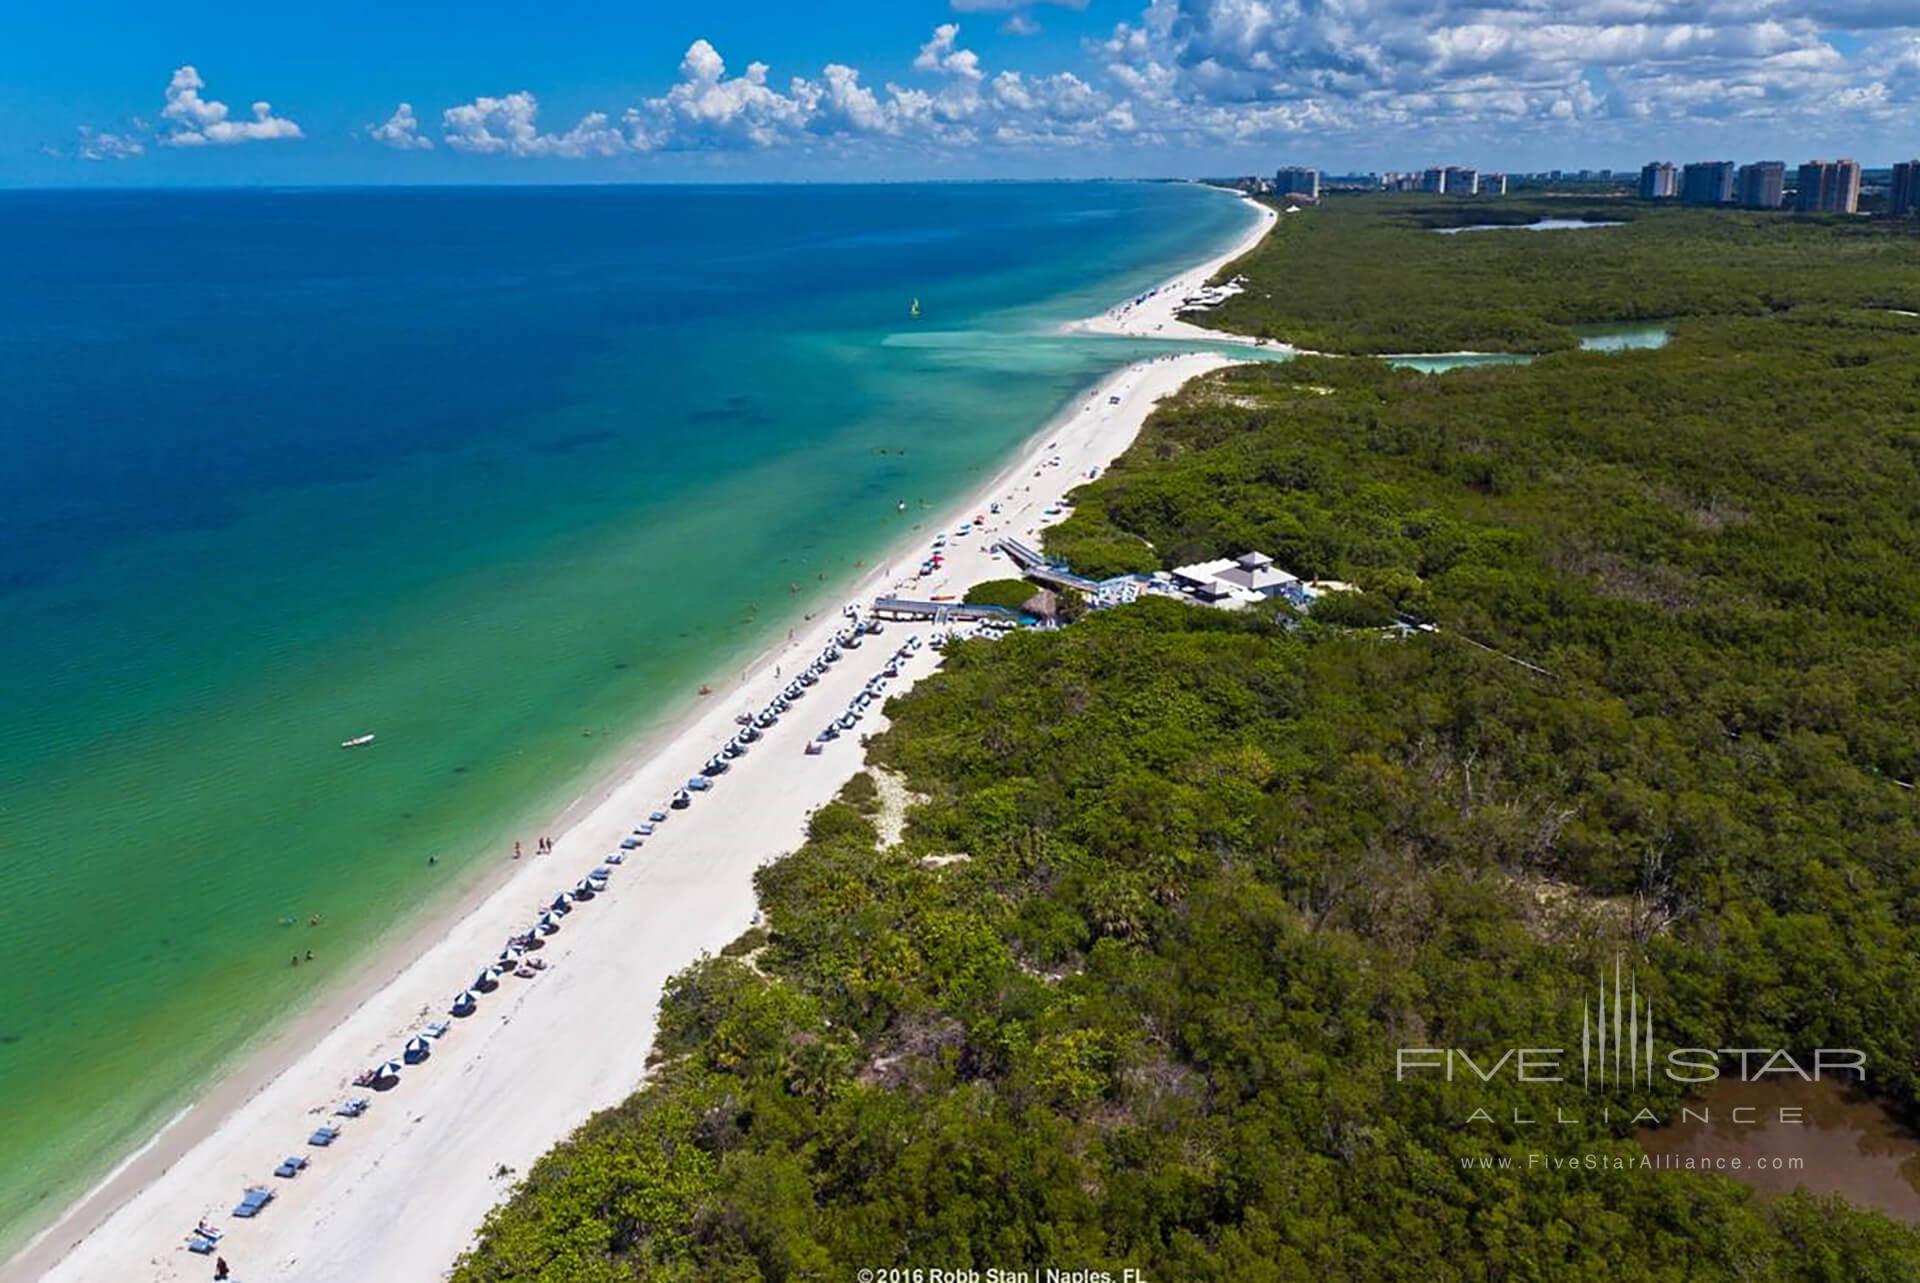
<point>579,90</point>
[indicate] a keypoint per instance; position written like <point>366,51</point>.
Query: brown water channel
<point>1780,1136</point>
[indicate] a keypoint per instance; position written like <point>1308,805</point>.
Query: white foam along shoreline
<point>1155,314</point>
<point>403,1190</point>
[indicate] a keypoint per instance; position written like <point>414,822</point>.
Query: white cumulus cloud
<point>1263,73</point>
<point>401,131</point>
<point>709,108</point>
<point>195,121</point>
<point>1238,70</point>
<point>942,54</point>
<point>98,144</point>
<point>508,126</point>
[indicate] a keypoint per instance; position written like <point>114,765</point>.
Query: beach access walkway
<point>942,612</point>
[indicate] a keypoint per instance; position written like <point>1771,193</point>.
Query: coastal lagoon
<point>1623,336</point>
<point>499,476</point>
<point>1538,225</point>
<point>1607,336</point>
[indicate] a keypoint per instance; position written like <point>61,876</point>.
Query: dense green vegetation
<point>1369,274</point>
<point>1128,992</point>
<point>1011,593</point>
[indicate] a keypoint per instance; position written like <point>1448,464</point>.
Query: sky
<point>125,93</point>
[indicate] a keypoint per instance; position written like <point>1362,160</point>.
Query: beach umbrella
<point>391,1069</point>
<point>464,1002</point>
<point>418,1049</point>
<point>549,923</point>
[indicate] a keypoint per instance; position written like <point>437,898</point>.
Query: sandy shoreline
<point>1153,315</point>
<point>406,1186</point>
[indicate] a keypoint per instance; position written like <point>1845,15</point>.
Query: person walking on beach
<point>516,850</point>
<point>219,1267</point>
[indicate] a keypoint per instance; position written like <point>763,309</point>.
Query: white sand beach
<point>400,1194</point>
<point>1154,315</point>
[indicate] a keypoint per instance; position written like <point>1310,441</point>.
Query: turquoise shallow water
<point>475,470</point>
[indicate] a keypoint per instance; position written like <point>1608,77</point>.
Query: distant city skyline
<point>741,90</point>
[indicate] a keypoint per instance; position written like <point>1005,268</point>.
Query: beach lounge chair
<point>252,1201</point>
<point>438,1029</point>
<point>353,1108</point>
<point>200,1244</point>
<point>291,1167</point>
<point>324,1136</point>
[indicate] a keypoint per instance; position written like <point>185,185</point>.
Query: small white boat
<point>358,741</point>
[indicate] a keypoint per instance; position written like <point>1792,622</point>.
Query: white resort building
<point>1233,582</point>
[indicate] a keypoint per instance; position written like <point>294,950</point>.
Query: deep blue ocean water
<point>476,469</point>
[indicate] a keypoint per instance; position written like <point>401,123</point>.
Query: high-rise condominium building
<point>1707,182</point>
<point>1297,180</point>
<point>1761,185</point>
<point>1659,181</point>
<point>1828,187</point>
<point>1904,195</point>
